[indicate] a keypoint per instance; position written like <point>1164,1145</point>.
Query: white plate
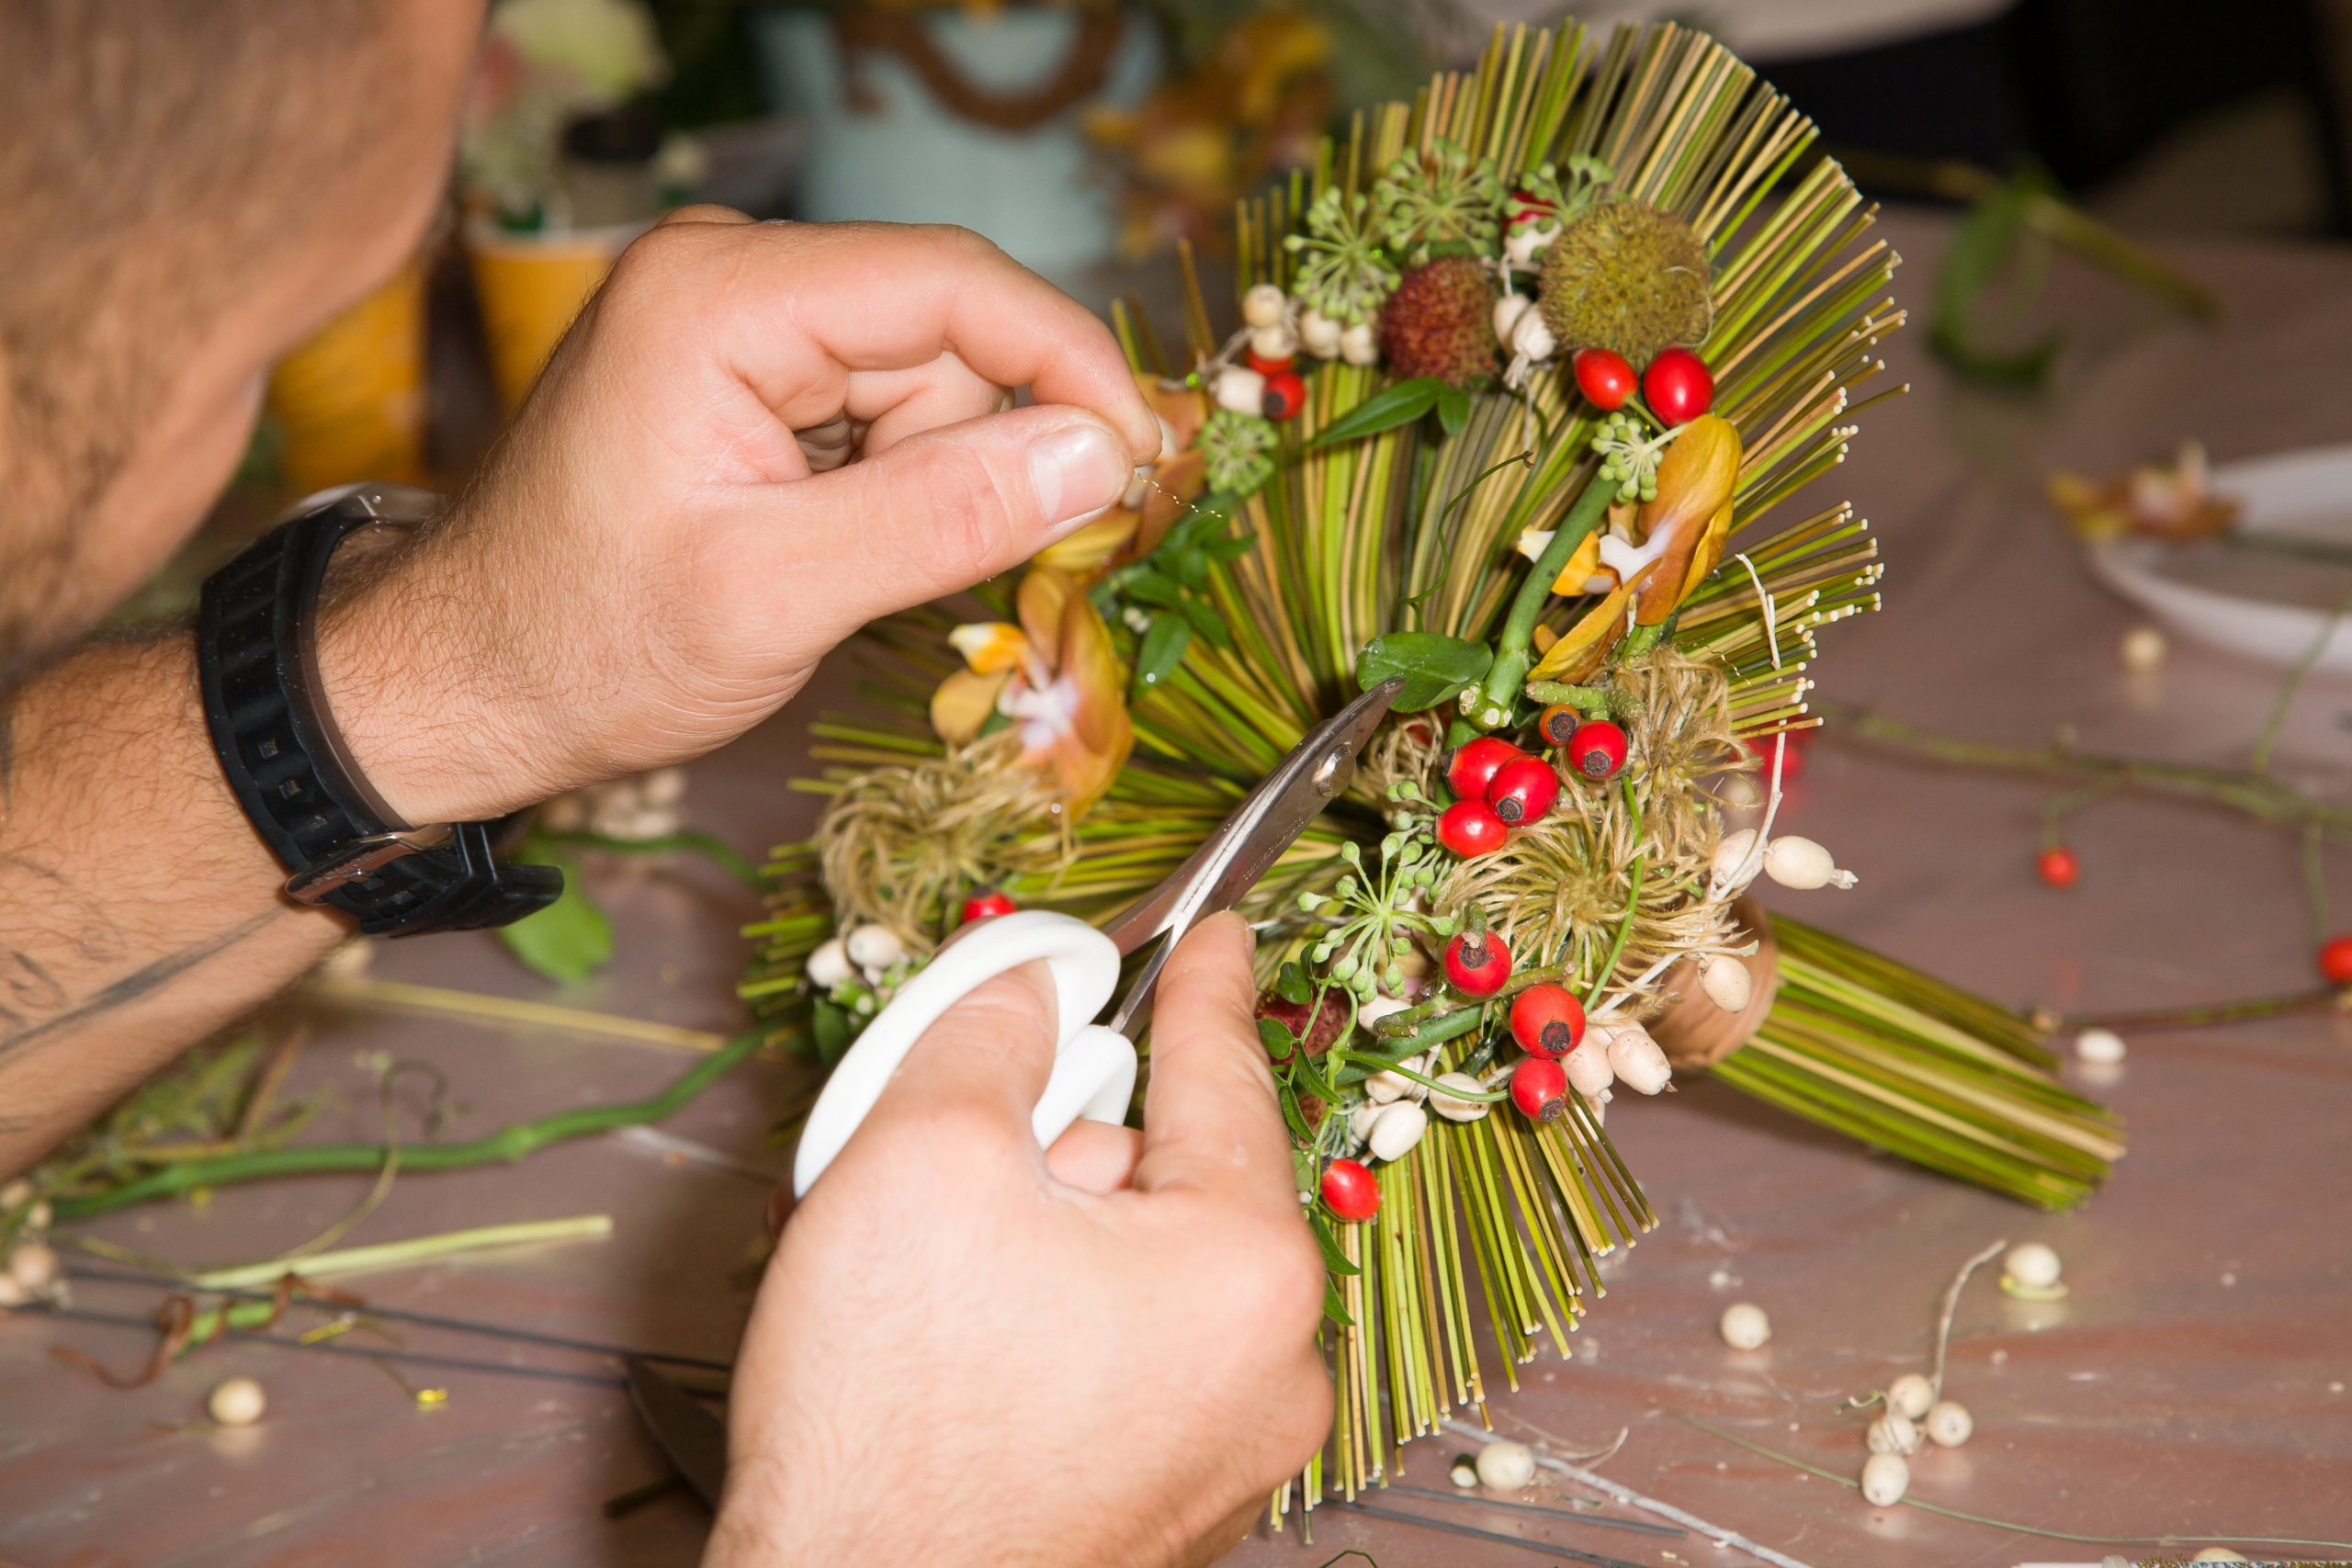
<point>2271,607</point>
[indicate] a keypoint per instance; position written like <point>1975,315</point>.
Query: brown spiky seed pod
<point>1625,276</point>
<point>1439,323</point>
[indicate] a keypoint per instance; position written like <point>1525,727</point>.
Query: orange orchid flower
<point>1133,528</point>
<point>1054,677</point>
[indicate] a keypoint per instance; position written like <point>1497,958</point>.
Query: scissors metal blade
<point>1249,841</point>
<point>689,1436</point>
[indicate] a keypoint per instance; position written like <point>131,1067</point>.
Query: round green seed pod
<point>1627,277</point>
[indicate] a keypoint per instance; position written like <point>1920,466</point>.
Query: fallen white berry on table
<point>33,1265</point>
<point>1910,1394</point>
<point>1885,1477</point>
<point>1744,1327</point>
<point>1949,1423</point>
<point>2102,1046</point>
<point>2143,650</point>
<point>2217,1555</point>
<point>1891,1432</point>
<point>238,1402</point>
<point>1455,1110</point>
<point>2031,1265</point>
<point>664,787</point>
<point>1799,862</point>
<point>874,946</point>
<point>1727,981</point>
<point>829,965</point>
<point>1506,1466</point>
<point>1399,1129</point>
<point>1463,1472</point>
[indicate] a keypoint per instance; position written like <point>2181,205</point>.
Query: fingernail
<point>1075,474</point>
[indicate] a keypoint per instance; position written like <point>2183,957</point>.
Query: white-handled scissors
<point>1094,1064</point>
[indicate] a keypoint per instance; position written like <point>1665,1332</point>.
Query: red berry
<point>1471,828</point>
<point>1523,791</point>
<point>2336,961</point>
<point>1598,748</point>
<point>2059,867</point>
<point>1678,386</point>
<point>1791,758</point>
<point>1265,366</point>
<point>1540,1088</point>
<point>1478,964</point>
<point>1605,377</point>
<point>1558,724</point>
<point>1350,1191</point>
<point>981,906</point>
<point>1547,1019</point>
<point>1285,395</point>
<point>1472,767</point>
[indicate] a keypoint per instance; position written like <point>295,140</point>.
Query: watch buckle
<point>361,858</point>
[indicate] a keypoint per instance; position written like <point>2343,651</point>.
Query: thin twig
<point>2207,1015</point>
<point>1951,1304</point>
<point>365,992</point>
<point>2260,763</point>
<point>1573,1516</point>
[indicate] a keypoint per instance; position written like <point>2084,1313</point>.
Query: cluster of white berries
<point>1504,1465</point>
<point>28,1273</point>
<point>1395,1115</point>
<point>648,806</point>
<point>855,965</point>
<point>1789,860</point>
<point>1916,1413</point>
<point>1279,327</point>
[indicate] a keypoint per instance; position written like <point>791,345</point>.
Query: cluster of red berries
<point>1676,384</point>
<point>1285,391</point>
<point>1499,787</point>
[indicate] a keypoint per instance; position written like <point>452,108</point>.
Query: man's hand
<point>648,565</point>
<point>970,1351</point>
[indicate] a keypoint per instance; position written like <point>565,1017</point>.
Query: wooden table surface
<point>2194,1381</point>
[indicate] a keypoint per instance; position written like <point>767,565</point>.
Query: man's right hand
<point>969,1351</point>
<point>648,566</point>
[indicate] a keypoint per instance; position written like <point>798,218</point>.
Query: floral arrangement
<point>1525,377</point>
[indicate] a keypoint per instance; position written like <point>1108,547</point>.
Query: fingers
<point>895,404</point>
<point>1210,1122</point>
<point>932,515</point>
<point>984,1063</point>
<point>793,307</point>
<point>1095,1157</point>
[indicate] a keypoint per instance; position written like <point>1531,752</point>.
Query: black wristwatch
<point>256,659</point>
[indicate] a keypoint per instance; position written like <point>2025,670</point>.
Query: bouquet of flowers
<point>1525,377</point>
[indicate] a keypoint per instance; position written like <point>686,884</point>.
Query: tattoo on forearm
<point>129,988</point>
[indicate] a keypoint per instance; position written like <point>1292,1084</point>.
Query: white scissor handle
<point>1094,1068</point>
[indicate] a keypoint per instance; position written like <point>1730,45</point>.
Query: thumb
<point>937,513</point>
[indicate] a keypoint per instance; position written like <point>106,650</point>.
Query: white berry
<point>1799,862</point>
<point>1731,868</point>
<point>1241,389</point>
<point>1910,1394</point>
<point>829,965</point>
<point>1532,335</point>
<point>1589,1073</point>
<point>33,1265</point>
<point>1318,334</point>
<point>1359,345</point>
<point>1400,1127</point>
<point>1463,1472</point>
<point>875,947</point>
<point>2032,1265</point>
<point>1726,981</point>
<point>1885,1480</point>
<point>1506,1466</point>
<point>1264,305</point>
<point>238,1402</point>
<point>2101,1046</point>
<point>1891,1433</point>
<point>1638,1060</point>
<point>2217,1555</point>
<point>1949,1423</point>
<point>1455,1110</point>
<point>1274,343</point>
<point>2143,650</point>
<point>1509,308</point>
<point>1744,1327</point>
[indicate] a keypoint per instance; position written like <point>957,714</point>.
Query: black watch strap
<point>284,758</point>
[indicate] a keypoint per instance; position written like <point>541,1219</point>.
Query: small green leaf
<point>1436,667</point>
<point>1452,409</point>
<point>1192,568</point>
<point>1332,1306</point>
<point>1400,404</point>
<point>1291,1116</point>
<point>1162,650</point>
<point>1277,1039</point>
<point>1232,549</point>
<point>1205,621</point>
<point>572,938</point>
<point>1147,587</point>
<point>1334,1260</point>
<point>1291,984</point>
<point>829,1024</point>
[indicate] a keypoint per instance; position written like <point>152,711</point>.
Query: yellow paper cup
<point>531,286</point>
<point>350,400</point>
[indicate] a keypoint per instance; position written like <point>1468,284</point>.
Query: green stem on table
<point>2209,1014</point>
<point>2259,764</point>
<point>1513,647</point>
<point>506,1145</point>
<point>395,1254</point>
<point>712,848</point>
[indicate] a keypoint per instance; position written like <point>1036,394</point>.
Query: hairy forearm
<point>139,911</point>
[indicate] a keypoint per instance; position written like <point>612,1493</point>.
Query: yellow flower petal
<point>1090,754</point>
<point>1580,567</point>
<point>1695,479</point>
<point>1039,602</point>
<point>990,648</point>
<point>963,703</point>
<point>1582,645</point>
<point>1093,547</point>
